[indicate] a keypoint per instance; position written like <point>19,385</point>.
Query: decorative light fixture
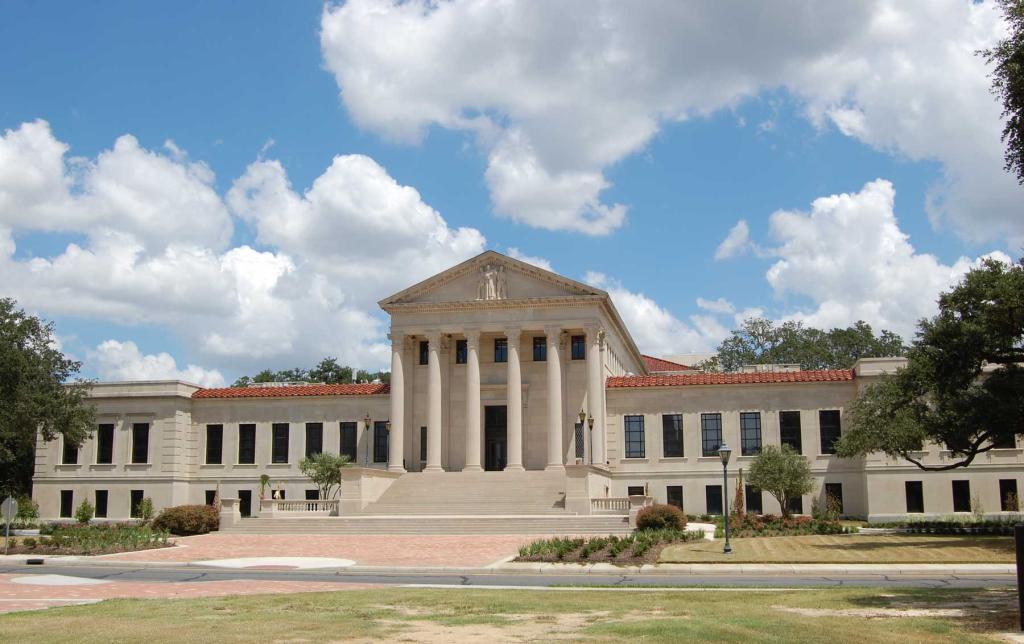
<point>724,452</point>
<point>583,416</point>
<point>590,433</point>
<point>366,430</point>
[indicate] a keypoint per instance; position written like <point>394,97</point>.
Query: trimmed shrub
<point>85,512</point>
<point>188,519</point>
<point>661,517</point>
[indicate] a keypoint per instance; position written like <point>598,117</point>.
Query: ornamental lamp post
<point>590,432</point>
<point>724,452</point>
<point>366,440</point>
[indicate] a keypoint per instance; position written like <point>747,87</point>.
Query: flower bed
<point>643,546</point>
<point>92,540</point>
<point>770,525</point>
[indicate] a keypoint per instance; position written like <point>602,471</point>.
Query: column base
<point>472,468</point>
<point>433,468</point>
<point>396,468</point>
<point>514,468</point>
<point>555,467</point>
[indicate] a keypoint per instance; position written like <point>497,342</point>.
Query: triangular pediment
<point>491,277</point>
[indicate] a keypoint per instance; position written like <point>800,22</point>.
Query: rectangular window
<point>796,505</point>
<point>105,444</point>
<point>789,430</point>
<point>752,497</point>
<point>540,349</point>
<point>214,444</point>
<point>423,444</point>
<point>69,453</point>
<point>314,439</point>
<point>312,495</point>
<point>834,496</point>
<point>501,350</point>
<point>136,501</point>
<point>636,490</point>
<point>750,433</point>
<point>672,435</point>
<point>915,496</point>
<point>961,496</point>
<point>246,444</point>
<point>140,442</point>
<point>349,441</point>
<point>380,441</point>
<point>1008,501</point>
<point>279,444</point>
<point>828,421</point>
<point>710,434</point>
<point>713,499</point>
<point>67,498</point>
<point>210,496</point>
<point>461,352</point>
<point>424,352</point>
<point>578,347</point>
<point>674,495</point>
<point>581,447</point>
<point>634,436</point>
<point>1006,441</point>
<point>101,504</point>
<point>245,503</point>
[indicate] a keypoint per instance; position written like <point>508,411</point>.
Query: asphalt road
<point>796,580</point>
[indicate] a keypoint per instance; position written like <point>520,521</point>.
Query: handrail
<point>303,505</point>
<point>618,505</point>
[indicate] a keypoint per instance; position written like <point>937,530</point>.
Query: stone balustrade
<point>272,507</point>
<point>610,505</point>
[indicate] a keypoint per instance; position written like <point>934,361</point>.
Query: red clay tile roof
<point>372,389</point>
<point>832,375</point>
<point>657,364</point>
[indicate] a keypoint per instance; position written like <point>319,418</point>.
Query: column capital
<point>433,336</point>
<point>472,336</point>
<point>553,330</point>
<point>514,334</point>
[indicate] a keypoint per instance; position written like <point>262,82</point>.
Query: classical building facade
<point>494,363</point>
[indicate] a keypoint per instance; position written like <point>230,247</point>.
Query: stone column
<point>554,398</point>
<point>514,409</point>
<point>396,437</point>
<point>595,394</point>
<point>472,401</point>
<point>433,403</point>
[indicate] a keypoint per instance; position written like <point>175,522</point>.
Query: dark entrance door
<point>495,441</point>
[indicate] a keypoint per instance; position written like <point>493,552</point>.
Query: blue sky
<point>235,84</point>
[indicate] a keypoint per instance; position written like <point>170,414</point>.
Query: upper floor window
<point>672,434</point>
<point>246,444</point>
<point>279,444</point>
<point>789,429</point>
<point>540,349</point>
<point>314,439</point>
<point>750,433</point>
<point>634,436</point>
<point>501,350</point>
<point>828,421</point>
<point>105,444</point>
<point>578,347</point>
<point>140,442</point>
<point>349,441</point>
<point>710,434</point>
<point>461,352</point>
<point>214,444</point>
<point>69,453</point>
<point>424,352</point>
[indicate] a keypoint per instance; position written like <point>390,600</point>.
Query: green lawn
<point>848,548</point>
<point>838,615</point>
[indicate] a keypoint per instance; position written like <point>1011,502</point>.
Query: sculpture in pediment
<point>493,284</point>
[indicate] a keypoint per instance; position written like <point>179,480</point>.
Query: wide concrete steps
<point>473,493</point>
<point>437,524</point>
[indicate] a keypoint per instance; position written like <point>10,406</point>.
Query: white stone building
<point>493,362</point>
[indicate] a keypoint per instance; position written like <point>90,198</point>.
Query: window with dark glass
<point>796,505</point>
<point>105,444</point>
<point>210,496</point>
<point>423,444</point>
<point>140,442</point>
<point>380,441</point>
<point>750,433</point>
<point>312,495</point>
<point>69,453</point>
<point>214,444</point>
<point>915,496</point>
<point>246,444</point>
<point>1008,500</point>
<point>674,495</point>
<point>752,497</point>
<point>1005,442</point>
<point>834,496</point>
<point>66,499</point>
<point>634,436</point>
<point>789,430</point>
<point>279,443</point>
<point>540,349</point>
<point>101,504</point>
<point>961,496</point>
<point>245,503</point>
<point>424,352</point>
<point>314,439</point>
<point>501,350</point>
<point>349,441</point>
<point>710,434</point>
<point>828,421</point>
<point>135,501</point>
<point>578,347</point>
<point>713,499</point>
<point>636,490</point>
<point>672,435</point>
<point>461,352</point>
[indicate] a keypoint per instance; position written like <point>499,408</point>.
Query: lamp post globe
<point>724,452</point>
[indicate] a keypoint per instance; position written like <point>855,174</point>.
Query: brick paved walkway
<point>365,550</point>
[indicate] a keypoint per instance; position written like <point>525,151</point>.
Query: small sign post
<point>10,510</point>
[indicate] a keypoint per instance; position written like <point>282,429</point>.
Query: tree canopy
<point>963,386</point>
<point>1007,58</point>
<point>35,395</point>
<point>782,472</point>
<point>327,371</point>
<point>324,470</point>
<point>761,341</point>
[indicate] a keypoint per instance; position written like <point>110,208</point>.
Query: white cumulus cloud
<point>124,361</point>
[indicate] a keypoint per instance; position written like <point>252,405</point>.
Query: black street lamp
<point>366,440</point>
<point>590,433</point>
<point>724,452</point>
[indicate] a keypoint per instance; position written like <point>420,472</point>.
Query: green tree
<point>783,473</point>
<point>1007,58</point>
<point>324,470</point>
<point>35,395</point>
<point>85,512</point>
<point>761,341</point>
<point>327,371</point>
<point>963,386</point>
<point>330,372</point>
